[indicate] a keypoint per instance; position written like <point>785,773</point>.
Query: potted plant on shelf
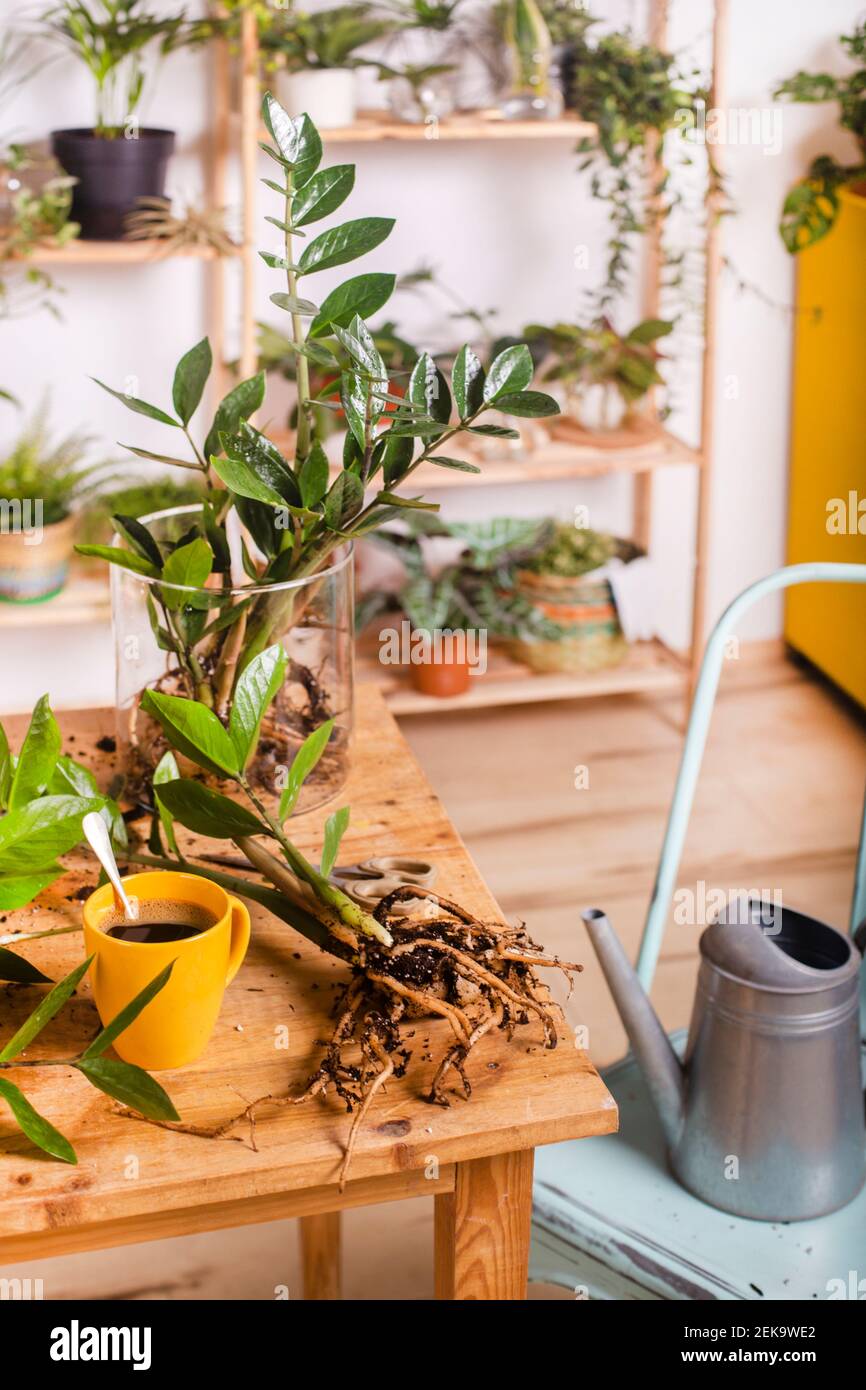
<point>604,375</point>
<point>116,161</point>
<point>42,484</point>
<point>810,209</point>
<point>264,565</point>
<point>563,583</point>
<point>452,610</point>
<point>532,94</point>
<point>318,55</point>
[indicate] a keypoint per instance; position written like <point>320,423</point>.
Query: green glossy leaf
<point>305,760</point>
<point>240,403</point>
<point>460,465</point>
<point>190,378</point>
<point>166,770</point>
<point>344,500</point>
<point>358,342</point>
<point>412,504</point>
<point>188,567</point>
<point>32,837</point>
<point>344,243</point>
<point>17,890</point>
<point>292,304</point>
<point>533,404</point>
<point>44,1012</point>
<point>5,769</point>
<point>494,431</point>
<point>323,194</point>
<point>139,407</point>
<point>362,295</point>
<point>397,454</point>
<point>38,755</point>
<point>115,555</point>
<point>130,1085</point>
<point>509,372</point>
<point>207,812</point>
<point>138,538</point>
<point>127,1015</point>
<point>313,476</point>
<point>193,730</point>
<point>19,970</point>
<point>428,390</point>
<point>161,458</point>
<point>467,382</point>
<point>298,141</point>
<point>34,1125</point>
<point>239,477</point>
<point>261,467</point>
<point>335,828</point>
<point>256,688</point>
<point>70,776</point>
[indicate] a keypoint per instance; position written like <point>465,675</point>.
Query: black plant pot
<point>112,175</point>
<point>563,65</point>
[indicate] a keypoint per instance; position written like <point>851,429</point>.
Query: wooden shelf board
<point>85,599</point>
<point>573,455</point>
<point>372,127</point>
<point>649,668</point>
<point>85,253</point>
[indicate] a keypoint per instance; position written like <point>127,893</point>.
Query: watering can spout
<point>655,1056</point>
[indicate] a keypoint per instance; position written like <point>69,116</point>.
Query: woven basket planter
<point>585,608</point>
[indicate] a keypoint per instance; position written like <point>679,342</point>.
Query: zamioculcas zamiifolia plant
<point>295,516</point>
<point>479,976</point>
<point>124,1082</point>
<point>43,796</point>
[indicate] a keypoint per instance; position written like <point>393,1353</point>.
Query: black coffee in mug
<point>160,921</point>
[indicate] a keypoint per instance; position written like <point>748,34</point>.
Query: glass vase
<point>534,93</point>
<point>312,619</point>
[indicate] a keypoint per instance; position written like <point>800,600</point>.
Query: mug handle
<point>240,937</point>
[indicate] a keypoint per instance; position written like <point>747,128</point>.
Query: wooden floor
<point>778,808</point>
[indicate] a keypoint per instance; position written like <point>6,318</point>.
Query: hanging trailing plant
<point>630,90</point>
<point>811,207</point>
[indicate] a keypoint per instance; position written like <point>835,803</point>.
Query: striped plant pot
<point>34,566</point>
<point>584,608</point>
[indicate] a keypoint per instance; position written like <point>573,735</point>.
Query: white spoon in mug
<point>99,840</point>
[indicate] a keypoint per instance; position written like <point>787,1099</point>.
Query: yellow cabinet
<point>827,516</point>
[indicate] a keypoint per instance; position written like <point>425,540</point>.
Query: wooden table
<point>136,1182</point>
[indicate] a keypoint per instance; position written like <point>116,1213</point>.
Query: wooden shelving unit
<point>649,668</point>
<point>373,127</point>
<point>563,455</point>
<point>120,253</point>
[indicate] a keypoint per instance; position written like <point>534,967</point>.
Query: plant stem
<point>302,446</point>
<point>200,460</point>
<point>348,911</point>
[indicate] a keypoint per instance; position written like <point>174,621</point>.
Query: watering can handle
<point>696,738</point>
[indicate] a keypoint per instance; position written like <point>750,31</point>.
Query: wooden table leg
<point>482,1229</point>
<point>320,1252</point>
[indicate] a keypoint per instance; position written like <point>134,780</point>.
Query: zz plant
<point>294,514</point>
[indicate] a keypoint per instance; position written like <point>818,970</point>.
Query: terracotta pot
<point>34,565</point>
<point>442,678</point>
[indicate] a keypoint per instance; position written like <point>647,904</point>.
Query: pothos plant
<point>811,207</point>
<point>478,976</point>
<point>294,515</point>
<point>43,796</point>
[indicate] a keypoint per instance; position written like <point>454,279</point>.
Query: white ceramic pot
<point>328,95</point>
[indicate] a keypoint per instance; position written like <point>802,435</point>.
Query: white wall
<point>501,222</point>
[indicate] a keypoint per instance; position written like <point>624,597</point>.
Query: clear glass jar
<point>312,618</point>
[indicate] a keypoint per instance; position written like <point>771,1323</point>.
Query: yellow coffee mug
<point>175,1027</point>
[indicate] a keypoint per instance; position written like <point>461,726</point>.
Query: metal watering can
<point>764,1117</point>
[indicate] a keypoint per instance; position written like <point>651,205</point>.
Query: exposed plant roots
<point>478,976</point>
